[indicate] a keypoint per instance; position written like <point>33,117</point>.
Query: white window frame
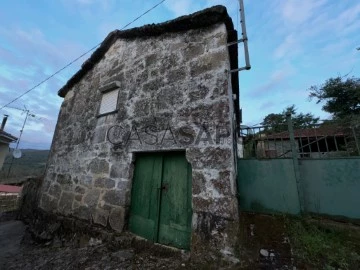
<point>111,88</point>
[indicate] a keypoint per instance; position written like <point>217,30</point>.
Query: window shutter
<point>109,102</point>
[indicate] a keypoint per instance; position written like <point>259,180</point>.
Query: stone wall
<point>178,81</point>
<point>8,202</point>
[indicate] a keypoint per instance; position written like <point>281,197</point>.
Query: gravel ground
<point>98,257</point>
<point>19,251</point>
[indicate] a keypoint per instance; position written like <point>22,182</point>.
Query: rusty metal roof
<point>309,133</point>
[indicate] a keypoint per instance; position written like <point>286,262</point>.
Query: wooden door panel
<point>161,199</point>
<point>145,196</point>
<point>175,206</point>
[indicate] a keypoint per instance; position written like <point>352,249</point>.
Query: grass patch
<point>325,246</point>
<point>32,163</point>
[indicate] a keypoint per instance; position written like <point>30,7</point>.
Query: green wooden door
<point>161,199</point>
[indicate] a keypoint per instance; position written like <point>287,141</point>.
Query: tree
<point>277,122</point>
<point>341,97</point>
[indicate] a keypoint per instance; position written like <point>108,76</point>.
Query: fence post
<point>356,141</point>
<point>295,159</point>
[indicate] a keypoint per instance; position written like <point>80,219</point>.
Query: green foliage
<point>32,163</point>
<point>277,121</point>
<point>341,96</point>
<point>325,247</point>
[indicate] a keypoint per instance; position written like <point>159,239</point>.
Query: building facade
<point>5,140</point>
<point>145,136</point>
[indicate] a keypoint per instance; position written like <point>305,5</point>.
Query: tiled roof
<point>10,189</point>
<point>7,137</point>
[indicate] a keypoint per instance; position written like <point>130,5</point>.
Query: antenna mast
<point>244,39</point>
<point>18,141</point>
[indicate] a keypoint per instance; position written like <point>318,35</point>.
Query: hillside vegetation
<point>32,163</point>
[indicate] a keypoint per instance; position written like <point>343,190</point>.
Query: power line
<point>76,59</point>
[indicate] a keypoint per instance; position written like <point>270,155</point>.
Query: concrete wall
<point>268,186</point>
<point>330,186</point>
<point>177,79</point>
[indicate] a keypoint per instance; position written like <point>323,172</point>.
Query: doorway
<point>161,199</point>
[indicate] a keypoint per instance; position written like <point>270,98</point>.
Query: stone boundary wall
<point>8,202</point>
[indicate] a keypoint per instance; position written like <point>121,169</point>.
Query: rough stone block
<point>101,216</point>
<point>78,197</point>
<point>104,183</point>
<point>79,137</point>
<point>82,212</point>
<point>119,171</point>
<point>65,181</point>
<point>169,97</point>
<point>221,88</point>
<point>91,198</point>
<point>86,180</point>
<point>66,201</point>
<point>123,185</point>
<point>115,197</point>
<point>223,207</point>
<point>98,166</point>
<point>47,183</point>
<point>142,77</point>
<point>209,62</point>
<point>150,60</point>
<point>55,190</point>
<point>153,85</point>
<point>99,135</point>
<point>217,112</point>
<point>79,189</point>
<point>142,107</point>
<point>198,92</point>
<point>194,51</point>
<point>222,183</point>
<point>198,182</point>
<point>49,203</point>
<point>210,157</point>
<point>117,219</point>
<point>176,75</point>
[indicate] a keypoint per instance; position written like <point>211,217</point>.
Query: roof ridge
<point>199,19</point>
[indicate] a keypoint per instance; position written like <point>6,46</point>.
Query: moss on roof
<point>203,18</point>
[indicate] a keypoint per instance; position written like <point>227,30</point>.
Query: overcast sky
<point>292,44</point>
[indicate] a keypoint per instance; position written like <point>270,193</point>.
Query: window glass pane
<point>108,102</point>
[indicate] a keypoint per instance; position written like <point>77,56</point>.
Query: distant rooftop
<point>310,132</point>
<point>6,137</point>
<point>10,189</point>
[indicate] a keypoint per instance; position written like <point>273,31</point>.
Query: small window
<point>109,98</point>
<point>109,102</point>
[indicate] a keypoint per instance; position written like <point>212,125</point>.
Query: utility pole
<point>21,132</point>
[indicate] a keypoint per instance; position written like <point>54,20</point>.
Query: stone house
<point>5,140</point>
<point>145,136</point>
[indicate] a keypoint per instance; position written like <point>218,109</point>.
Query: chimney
<point>4,121</point>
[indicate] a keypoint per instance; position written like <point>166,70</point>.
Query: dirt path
<point>11,234</point>
<point>18,251</point>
